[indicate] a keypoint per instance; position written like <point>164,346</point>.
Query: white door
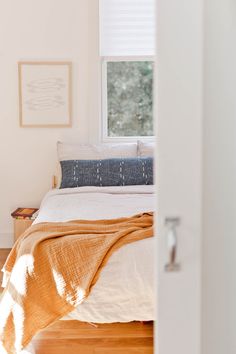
<point>179,164</point>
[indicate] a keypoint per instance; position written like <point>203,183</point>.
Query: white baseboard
<point>6,240</point>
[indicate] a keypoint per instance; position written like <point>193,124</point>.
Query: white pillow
<point>146,149</point>
<point>68,151</point>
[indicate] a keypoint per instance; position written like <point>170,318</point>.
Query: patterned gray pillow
<point>108,172</point>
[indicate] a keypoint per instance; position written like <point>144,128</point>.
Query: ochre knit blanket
<point>52,268</point>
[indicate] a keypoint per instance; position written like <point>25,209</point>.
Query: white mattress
<point>125,289</point>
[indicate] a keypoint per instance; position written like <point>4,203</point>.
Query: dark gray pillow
<point>109,172</point>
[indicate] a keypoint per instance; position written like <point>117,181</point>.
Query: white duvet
<point>125,289</point>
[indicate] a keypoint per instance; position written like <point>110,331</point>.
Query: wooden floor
<point>74,337</point>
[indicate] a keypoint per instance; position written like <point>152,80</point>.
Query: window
<point>128,102</point>
<point>127,37</point>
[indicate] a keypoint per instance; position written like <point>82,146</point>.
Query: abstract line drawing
<point>45,94</point>
<point>46,85</point>
<point>45,103</point>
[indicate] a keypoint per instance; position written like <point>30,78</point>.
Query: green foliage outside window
<point>130,98</point>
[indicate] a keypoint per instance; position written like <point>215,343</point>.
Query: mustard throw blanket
<point>52,269</point>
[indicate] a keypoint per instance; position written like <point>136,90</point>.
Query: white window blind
<point>127,27</point>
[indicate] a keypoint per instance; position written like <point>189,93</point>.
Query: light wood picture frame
<point>45,93</point>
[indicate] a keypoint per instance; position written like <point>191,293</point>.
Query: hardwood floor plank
<point>96,346</point>
<point>76,329</point>
<point>61,347</point>
<point>141,350</point>
<point>73,348</point>
<point>99,342</point>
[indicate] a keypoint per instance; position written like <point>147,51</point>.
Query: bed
<point>118,314</point>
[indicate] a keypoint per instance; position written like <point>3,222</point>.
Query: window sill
<point>127,139</point>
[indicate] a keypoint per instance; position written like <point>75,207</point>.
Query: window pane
<point>129,98</point>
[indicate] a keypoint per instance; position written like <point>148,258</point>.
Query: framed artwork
<point>45,94</point>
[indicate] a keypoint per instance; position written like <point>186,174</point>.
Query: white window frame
<point>104,121</point>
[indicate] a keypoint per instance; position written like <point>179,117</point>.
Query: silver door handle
<point>171,224</point>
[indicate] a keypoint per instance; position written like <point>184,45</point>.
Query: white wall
<point>42,30</point>
<point>219,212</point>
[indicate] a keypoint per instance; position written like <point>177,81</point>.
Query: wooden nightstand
<point>20,225</point>
<point>23,219</point>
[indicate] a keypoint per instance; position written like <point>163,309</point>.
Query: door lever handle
<point>171,224</point>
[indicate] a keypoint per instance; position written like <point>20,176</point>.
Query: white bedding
<point>125,289</point>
